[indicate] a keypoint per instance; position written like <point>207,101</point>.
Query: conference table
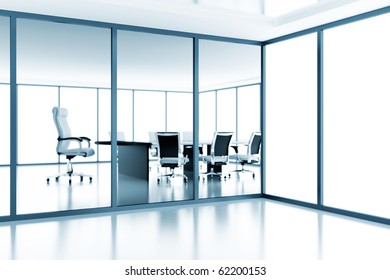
<point>133,171</point>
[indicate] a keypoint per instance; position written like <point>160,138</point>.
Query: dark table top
<point>124,143</point>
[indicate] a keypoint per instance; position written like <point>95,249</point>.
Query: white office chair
<point>63,146</point>
<point>252,155</point>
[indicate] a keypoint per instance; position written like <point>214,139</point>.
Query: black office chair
<point>65,139</point>
<point>170,154</point>
<point>219,154</point>
<point>252,155</point>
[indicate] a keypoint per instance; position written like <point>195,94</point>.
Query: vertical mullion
<point>195,114</point>
<point>132,113</point>
<point>166,111</point>
<point>114,97</point>
<point>263,119</point>
<point>236,113</point>
<point>216,109</point>
<point>320,95</point>
<point>97,122</point>
<point>14,117</point>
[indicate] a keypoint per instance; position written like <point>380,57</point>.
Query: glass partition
<point>225,70</point>
<point>226,110</point>
<point>356,113</point>
<point>4,116</point>
<point>248,106</point>
<point>155,74</point>
<point>207,119</point>
<point>61,65</point>
<point>292,118</point>
<point>149,113</point>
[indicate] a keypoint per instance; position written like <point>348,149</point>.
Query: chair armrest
<point>70,138</point>
<point>86,139</point>
<point>78,139</point>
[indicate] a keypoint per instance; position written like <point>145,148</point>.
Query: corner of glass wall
<point>291,118</point>
<point>5,116</point>
<point>229,119</point>
<point>154,113</point>
<point>63,76</point>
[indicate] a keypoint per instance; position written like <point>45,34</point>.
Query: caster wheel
<point>90,179</point>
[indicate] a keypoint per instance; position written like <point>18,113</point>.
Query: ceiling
<point>245,19</point>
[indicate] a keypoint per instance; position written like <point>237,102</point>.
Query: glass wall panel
<point>4,124</point>
<point>36,129</point>
<point>248,107</point>
<point>125,108</point>
<point>356,113</point>
<point>81,123</point>
<point>4,116</point>
<point>226,110</point>
<point>4,50</point>
<point>207,119</point>
<point>4,191</point>
<point>149,113</point>
<point>223,69</point>
<point>156,71</point>
<point>104,123</point>
<point>292,118</point>
<point>60,64</point>
<point>4,150</point>
<point>179,111</point>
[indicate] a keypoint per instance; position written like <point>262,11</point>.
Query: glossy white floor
<point>245,229</point>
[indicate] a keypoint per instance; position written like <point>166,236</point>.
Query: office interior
<point>318,96</point>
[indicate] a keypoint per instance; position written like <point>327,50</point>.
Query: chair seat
<point>245,158</point>
<point>85,152</point>
<point>215,159</point>
<point>176,161</point>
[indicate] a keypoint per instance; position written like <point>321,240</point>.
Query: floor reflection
<point>34,195</point>
<point>248,229</point>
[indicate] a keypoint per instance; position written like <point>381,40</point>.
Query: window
<point>356,114</point>
<point>292,118</point>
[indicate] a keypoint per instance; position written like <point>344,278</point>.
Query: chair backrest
<point>254,143</point>
<point>168,144</point>
<point>60,116</point>
<point>221,143</point>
